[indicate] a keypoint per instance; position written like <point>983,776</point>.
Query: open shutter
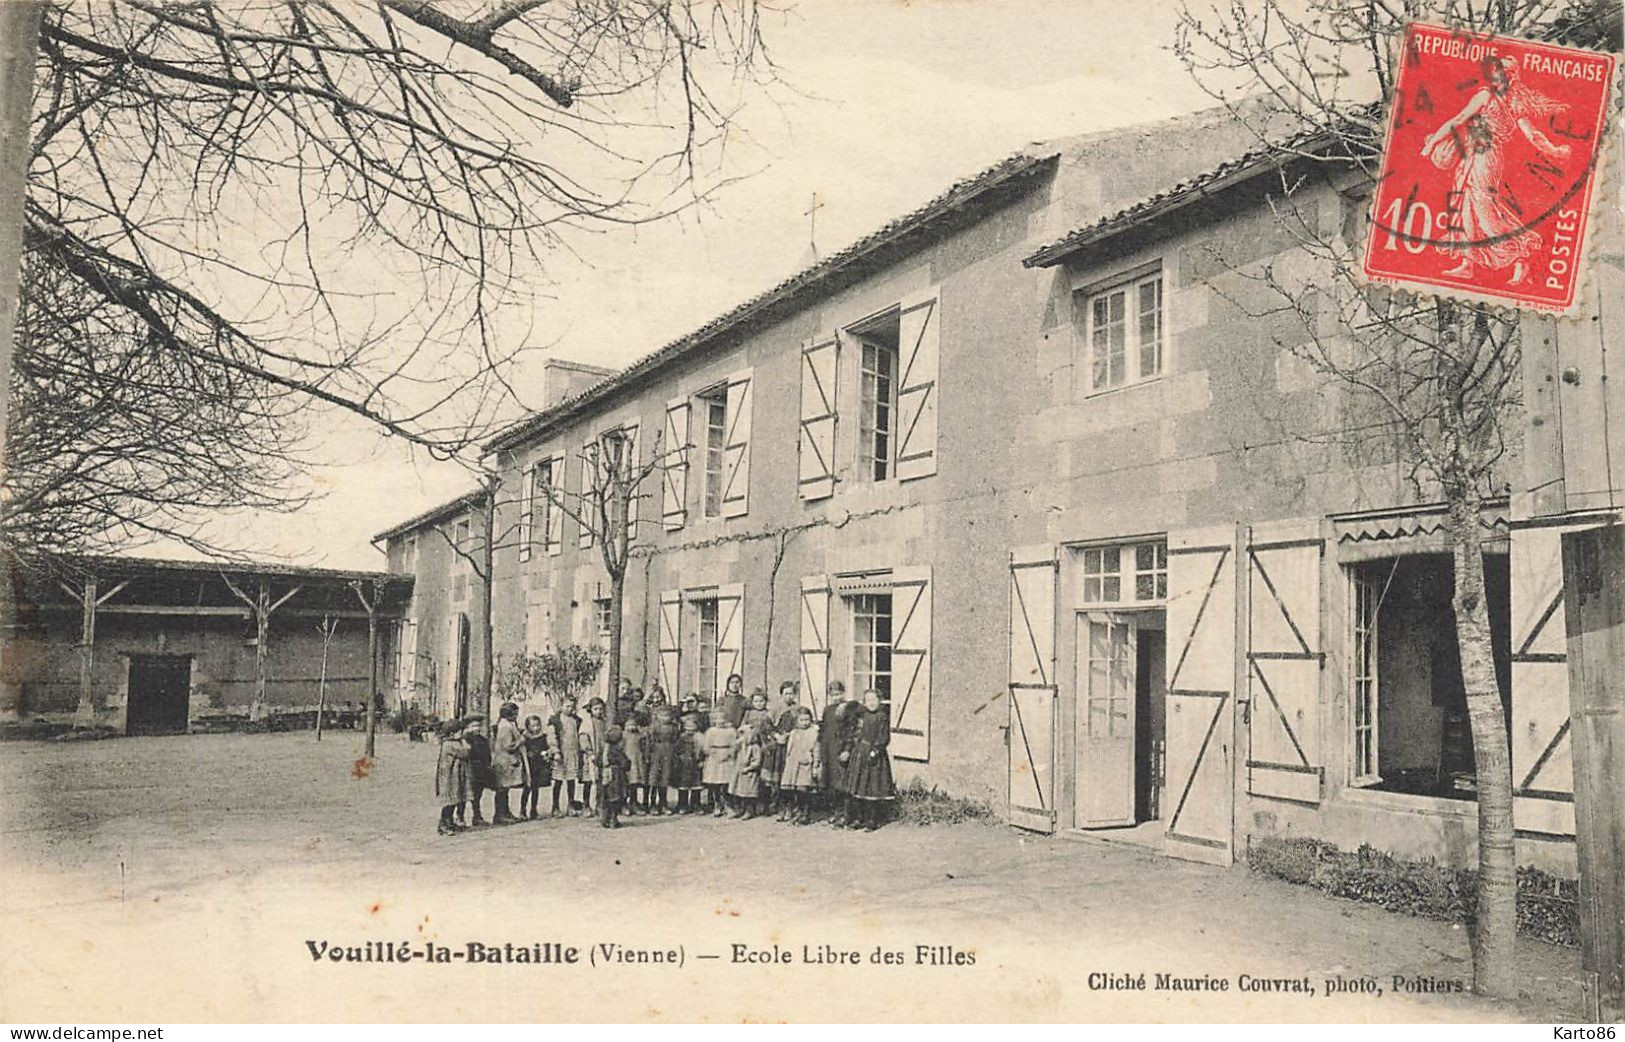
<point>820,360</point>
<point>630,462</point>
<point>409,659</point>
<point>674,473</point>
<point>918,342</point>
<point>585,502</point>
<point>1031,733</point>
<point>527,494</point>
<point>671,641</point>
<point>555,515</point>
<point>911,663</point>
<point>736,447</point>
<point>815,594</point>
<point>1201,684</point>
<point>1284,657</point>
<point>730,631</point>
<point>1542,764</point>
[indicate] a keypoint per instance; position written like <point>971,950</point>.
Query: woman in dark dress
<point>868,767</point>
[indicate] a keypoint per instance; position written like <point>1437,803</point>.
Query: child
<point>566,728</point>
<point>689,770</point>
<point>869,778</point>
<point>747,780</point>
<point>773,751</point>
<point>479,765</point>
<point>538,768</point>
<point>637,755</point>
<point>802,765</point>
<point>451,776</point>
<point>663,734</point>
<point>592,745</point>
<point>612,768</point>
<point>719,763</point>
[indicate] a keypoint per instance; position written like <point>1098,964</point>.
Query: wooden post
<point>1594,609</point>
<point>86,716</point>
<point>329,627</point>
<point>371,604</point>
<point>262,632</point>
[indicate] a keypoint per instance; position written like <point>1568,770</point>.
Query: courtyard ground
<point>187,879</point>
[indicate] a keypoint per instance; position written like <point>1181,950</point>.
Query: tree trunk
<point>372,677</point>
<point>487,556</point>
<point>1496,921</point>
<point>615,545</point>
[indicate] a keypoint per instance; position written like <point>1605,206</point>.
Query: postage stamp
<point>1490,168</point>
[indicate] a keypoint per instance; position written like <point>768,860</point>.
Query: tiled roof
<point>433,514</point>
<point>1002,174</point>
<point>1203,186</point>
<point>118,564</point>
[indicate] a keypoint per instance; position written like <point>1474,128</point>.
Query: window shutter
<point>815,641</point>
<point>671,641</point>
<point>409,658</point>
<point>1031,735</point>
<point>674,475</point>
<point>555,515</point>
<point>820,361</point>
<point>736,447</point>
<point>586,502</point>
<point>1542,759</point>
<point>630,462</point>
<point>918,343</point>
<point>730,631</point>
<point>1283,661</point>
<point>527,492</point>
<point>911,663</point>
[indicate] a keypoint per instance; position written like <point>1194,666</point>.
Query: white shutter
<point>409,659</point>
<point>736,447</point>
<point>820,361</point>
<point>586,502</point>
<point>674,475</point>
<point>1284,660</point>
<point>630,461</point>
<point>1542,757</point>
<point>1031,736</point>
<point>555,513</point>
<point>815,641</point>
<point>527,492</point>
<point>671,641</point>
<point>918,344</point>
<point>911,663</point>
<point>730,631</point>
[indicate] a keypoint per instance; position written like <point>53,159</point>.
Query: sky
<point>884,103</point>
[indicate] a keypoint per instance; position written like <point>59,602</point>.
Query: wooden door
<point>1104,731</point>
<point>1031,728</point>
<point>160,695</point>
<point>1201,687</point>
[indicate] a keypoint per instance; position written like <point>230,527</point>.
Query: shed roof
<point>119,565</point>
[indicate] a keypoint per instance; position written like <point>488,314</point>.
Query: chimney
<point>563,379</point>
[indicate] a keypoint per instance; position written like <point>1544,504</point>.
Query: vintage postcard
<point>814,511</point>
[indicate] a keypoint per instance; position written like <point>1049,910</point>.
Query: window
<point>1126,336</point>
<point>542,505</point>
<point>602,615</point>
<point>878,409</point>
<point>705,651</point>
<point>871,644</point>
<point>409,554</point>
<point>1129,573</point>
<point>714,413</point>
<point>1111,677</point>
<point>462,565</point>
<point>1408,730</point>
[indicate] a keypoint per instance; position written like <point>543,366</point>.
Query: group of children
<point>738,758</point>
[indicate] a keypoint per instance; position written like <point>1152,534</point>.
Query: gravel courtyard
<point>195,878</point>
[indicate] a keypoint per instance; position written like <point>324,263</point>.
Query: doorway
<point>1120,731</point>
<point>160,695</point>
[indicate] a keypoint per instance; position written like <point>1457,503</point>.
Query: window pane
<point>1111,589</point>
<point>1145,587</point>
<point>1145,557</point>
<point>1112,559</point>
<point>1150,329</point>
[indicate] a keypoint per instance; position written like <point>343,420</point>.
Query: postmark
<point>1490,167</point>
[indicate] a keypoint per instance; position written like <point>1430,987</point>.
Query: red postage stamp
<point>1490,167</point>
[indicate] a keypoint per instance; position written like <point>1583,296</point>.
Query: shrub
<point>919,805</point>
<point>1548,906</point>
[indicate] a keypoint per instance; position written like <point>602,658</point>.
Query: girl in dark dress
<point>663,735</point>
<point>868,769</point>
<point>480,777</point>
<point>538,767</point>
<point>689,756</point>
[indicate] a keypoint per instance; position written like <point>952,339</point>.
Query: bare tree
<point>337,204</point>
<point>1441,378</point>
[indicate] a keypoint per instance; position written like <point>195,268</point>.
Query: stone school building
<point>1027,462</point>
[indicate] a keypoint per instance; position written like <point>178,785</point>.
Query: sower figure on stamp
<point>1484,226</point>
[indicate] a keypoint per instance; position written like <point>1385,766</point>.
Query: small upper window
<point>1126,335</point>
<point>1129,573</point>
<point>714,414</point>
